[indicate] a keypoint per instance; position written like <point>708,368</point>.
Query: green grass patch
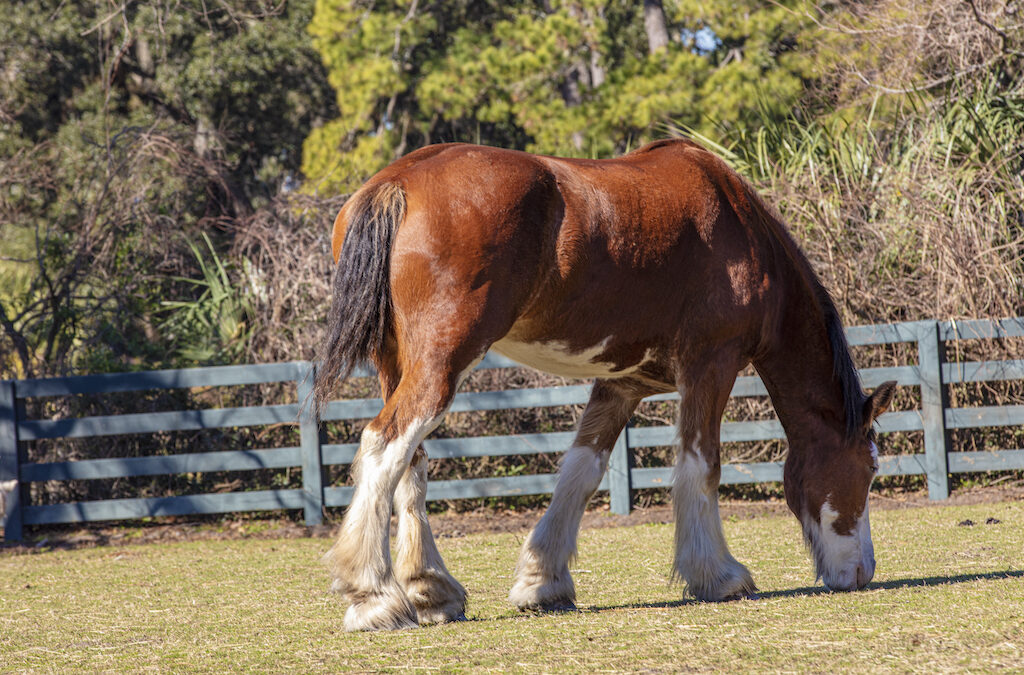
<point>945,597</point>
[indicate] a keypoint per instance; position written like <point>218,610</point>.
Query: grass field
<point>946,597</point>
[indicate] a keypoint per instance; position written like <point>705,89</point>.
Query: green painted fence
<point>931,373</point>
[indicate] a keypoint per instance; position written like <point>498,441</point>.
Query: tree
<point>574,77</point>
<point>124,130</point>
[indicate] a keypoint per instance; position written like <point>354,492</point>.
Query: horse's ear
<point>879,401</point>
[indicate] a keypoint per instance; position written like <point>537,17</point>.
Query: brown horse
<point>658,271</point>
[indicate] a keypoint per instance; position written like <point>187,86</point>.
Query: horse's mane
<point>842,363</point>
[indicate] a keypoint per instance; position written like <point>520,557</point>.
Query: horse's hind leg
<point>433,592</point>
<point>702,558</point>
<point>360,560</point>
<point>436,596</point>
<point>542,579</point>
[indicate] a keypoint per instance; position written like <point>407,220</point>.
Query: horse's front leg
<point>702,557</point>
<point>433,592</point>
<point>542,579</point>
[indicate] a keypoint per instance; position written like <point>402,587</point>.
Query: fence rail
<point>932,374</point>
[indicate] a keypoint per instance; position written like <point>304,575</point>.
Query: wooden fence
<point>935,419</point>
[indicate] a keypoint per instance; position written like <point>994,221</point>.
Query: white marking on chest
<point>556,357</point>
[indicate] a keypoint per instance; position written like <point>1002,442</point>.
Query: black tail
<point>360,315</point>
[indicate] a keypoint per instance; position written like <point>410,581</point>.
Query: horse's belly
<point>555,357</point>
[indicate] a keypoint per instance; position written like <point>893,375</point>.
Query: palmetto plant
<point>216,326</point>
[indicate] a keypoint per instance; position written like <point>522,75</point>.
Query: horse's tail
<point>360,315</point>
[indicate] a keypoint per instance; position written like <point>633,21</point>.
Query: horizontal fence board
<point>996,460</point>
<point>748,385</point>
<point>732,432</point>
<point>984,416</point>
<point>338,453</point>
<point>762,472</point>
<point>545,397</point>
<point>903,420</point>
<point>521,398</point>
<point>495,360</point>
<point>884,333</point>
<point>495,446</point>
<point>980,329</point>
<point>646,437</point>
<point>215,376</point>
<point>762,430</point>
<point>982,371</point>
<point>148,423</point>
<point>490,361</point>
<point>121,509</point>
<point>660,477</point>
<point>227,460</point>
<point>905,376</point>
<point>338,496</point>
<point>505,486</point>
<point>732,474</point>
<point>759,430</point>
<point>480,446</point>
<point>901,465</point>
<point>354,409</point>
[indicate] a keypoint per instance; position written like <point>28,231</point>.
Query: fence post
<point>934,402</point>
<point>312,462</point>
<point>620,481</point>
<point>9,460</point>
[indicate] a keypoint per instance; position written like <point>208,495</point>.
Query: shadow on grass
<point>821,590</point>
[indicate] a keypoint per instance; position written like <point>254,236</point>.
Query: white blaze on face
<point>845,562</point>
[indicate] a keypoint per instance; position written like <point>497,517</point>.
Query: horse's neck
<point>797,369</point>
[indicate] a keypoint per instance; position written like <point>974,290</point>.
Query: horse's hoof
<point>746,594</point>
<point>437,598</point>
<point>428,616</point>
<point>534,593</point>
<point>384,611</point>
<point>733,583</point>
<point>560,606</point>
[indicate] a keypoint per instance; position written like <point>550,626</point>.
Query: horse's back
<point>612,259</point>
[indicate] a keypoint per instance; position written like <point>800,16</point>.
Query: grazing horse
<point>657,271</point>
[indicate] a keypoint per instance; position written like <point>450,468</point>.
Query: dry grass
<point>946,597</point>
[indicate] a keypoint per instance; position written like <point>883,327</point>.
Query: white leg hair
<point>428,585</point>
<point>6,487</point>
<point>542,579</point>
<point>702,557</point>
<point>360,559</point>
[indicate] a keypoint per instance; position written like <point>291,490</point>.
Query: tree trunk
<point>654,25</point>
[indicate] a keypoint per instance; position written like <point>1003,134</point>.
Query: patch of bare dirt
<point>444,525</point>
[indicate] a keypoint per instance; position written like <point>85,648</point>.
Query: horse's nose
<point>864,574</point>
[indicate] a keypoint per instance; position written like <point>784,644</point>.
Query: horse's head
<point>827,487</point>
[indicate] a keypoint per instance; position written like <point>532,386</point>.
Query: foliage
<point>570,77</point>
<point>217,325</point>
<point>895,209</point>
<point>118,131</point>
